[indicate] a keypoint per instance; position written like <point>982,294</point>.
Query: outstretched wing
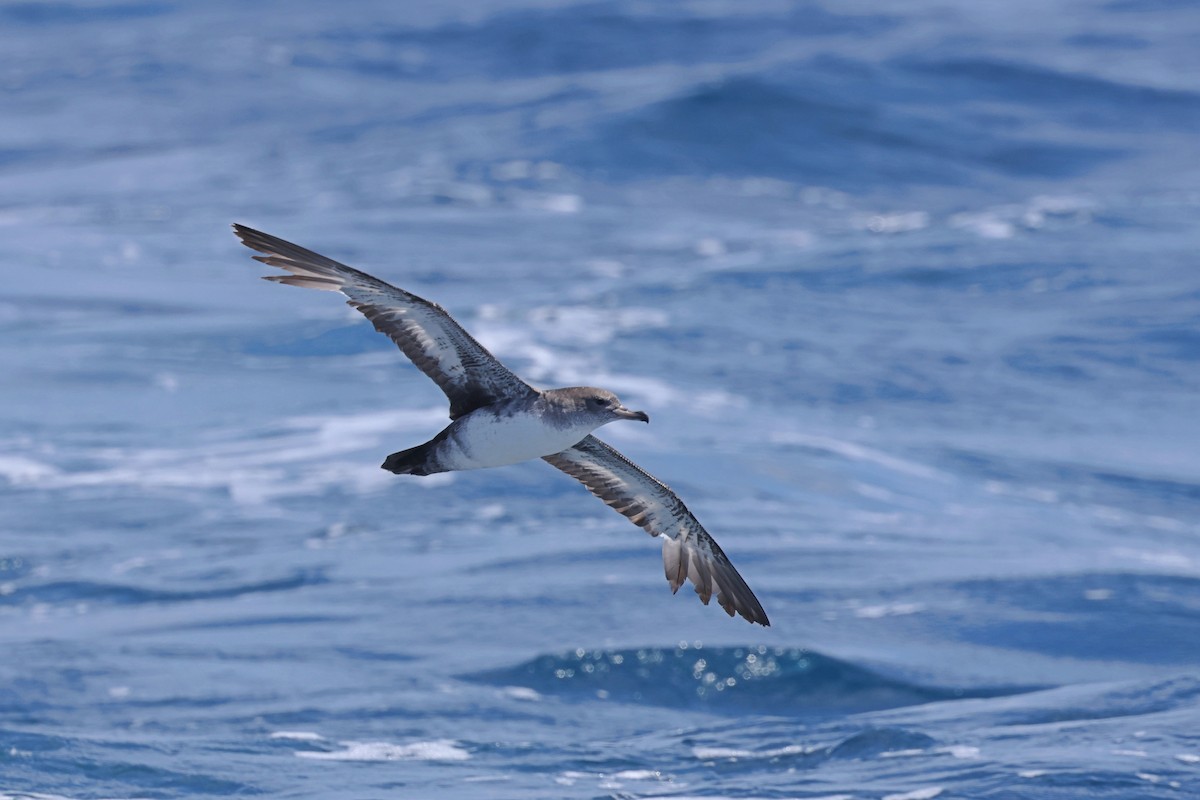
<point>688,551</point>
<point>469,375</point>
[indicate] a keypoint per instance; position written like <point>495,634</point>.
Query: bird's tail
<point>413,461</point>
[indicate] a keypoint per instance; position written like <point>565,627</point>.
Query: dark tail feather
<point>413,461</point>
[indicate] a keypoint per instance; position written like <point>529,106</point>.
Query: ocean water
<point>910,291</point>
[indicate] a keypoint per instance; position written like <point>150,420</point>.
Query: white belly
<point>482,439</point>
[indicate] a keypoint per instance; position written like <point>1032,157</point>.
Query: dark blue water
<point>911,292</point>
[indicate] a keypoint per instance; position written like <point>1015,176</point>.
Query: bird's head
<point>602,404</point>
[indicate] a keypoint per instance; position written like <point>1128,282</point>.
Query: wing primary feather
<point>699,574</point>
<point>304,281</point>
<point>671,563</point>
<point>470,376</point>
<point>689,552</point>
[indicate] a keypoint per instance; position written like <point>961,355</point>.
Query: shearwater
<point>498,419</point>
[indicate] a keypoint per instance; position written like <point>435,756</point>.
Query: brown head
<point>600,404</point>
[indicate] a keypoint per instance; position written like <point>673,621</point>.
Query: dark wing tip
<point>256,240</point>
<point>308,269</point>
<point>735,595</point>
<point>702,562</point>
<point>751,611</point>
<point>247,235</point>
<point>262,242</point>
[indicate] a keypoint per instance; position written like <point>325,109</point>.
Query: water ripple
<point>732,680</point>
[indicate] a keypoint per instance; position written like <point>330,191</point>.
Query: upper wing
<point>469,375</point>
<point>688,551</point>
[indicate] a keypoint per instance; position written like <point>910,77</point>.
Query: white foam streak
<point>538,363</point>
<point>857,452</point>
<point>43,796</point>
<point>297,736</point>
<point>523,693</point>
<point>589,325</point>
<point>572,326</point>
<point>22,471</point>
<point>305,455</point>
<point>916,794</point>
<point>436,750</point>
<point>888,610</point>
<point>752,797</point>
<point>730,753</point>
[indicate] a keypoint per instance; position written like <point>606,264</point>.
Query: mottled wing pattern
<point>688,550</point>
<point>469,375</point>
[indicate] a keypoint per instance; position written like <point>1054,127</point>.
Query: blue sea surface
<point>911,292</point>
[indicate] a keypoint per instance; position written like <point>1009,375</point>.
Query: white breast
<point>483,439</point>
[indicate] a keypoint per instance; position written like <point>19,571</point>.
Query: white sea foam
<point>45,796</point>
<point>638,775</point>
<point>297,736</point>
<point>908,752</point>
<point>858,452</point>
<point>985,224</point>
<point>615,780</point>
<point>538,362</point>
<point>902,222</point>
<point>300,457</point>
<point>959,751</point>
<point>916,794</point>
<point>753,797</point>
<point>22,471</point>
<point>436,750</point>
<point>719,753</point>
<point>1005,221</point>
<point>888,610</point>
<point>590,325</point>
<point>554,202</point>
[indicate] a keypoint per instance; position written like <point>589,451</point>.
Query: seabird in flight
<point>499,419</point>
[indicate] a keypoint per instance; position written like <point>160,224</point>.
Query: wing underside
<point>689,552</point>
<point>470,376</point>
